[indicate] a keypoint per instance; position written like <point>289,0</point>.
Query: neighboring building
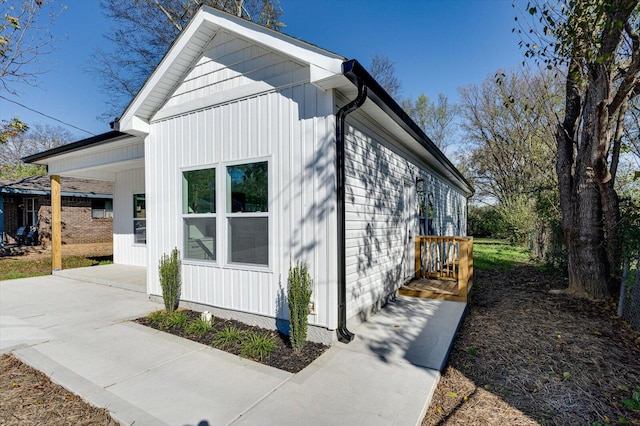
<point>230,152</point>
<point>87,212</point>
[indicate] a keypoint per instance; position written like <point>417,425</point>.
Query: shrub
<point>258,346</point>
<point>227,337</point>
<point>157,317</point>
<point>178,319</point>
<point>299,296</point>
<point>170,280</point>
<point>200,326</point>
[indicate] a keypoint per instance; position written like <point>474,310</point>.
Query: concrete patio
<point>79,333</point>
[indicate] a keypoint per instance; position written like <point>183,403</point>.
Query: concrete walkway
<point>79,334</point>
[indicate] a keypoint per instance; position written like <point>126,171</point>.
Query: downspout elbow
<point>344,335</point>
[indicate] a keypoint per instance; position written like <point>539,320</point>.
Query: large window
<point>101,208</point>
<point>199,214</point>
<point>139,219</point>
<point>247,209</point>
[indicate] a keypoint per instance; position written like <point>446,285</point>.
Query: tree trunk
<point>580,179</point>
<point>588,269</point>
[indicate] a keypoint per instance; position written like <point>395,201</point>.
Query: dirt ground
<point>38,252</point>
<point>524,356</point>
<point>28,397</point>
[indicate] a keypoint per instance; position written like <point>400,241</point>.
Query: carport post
<point>56,224</point>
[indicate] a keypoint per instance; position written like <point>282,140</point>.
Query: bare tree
<point>142,33</point>
<point>509,123</point>
<point>24,39</point>
<point>384,71</point>
<point>434,118</point>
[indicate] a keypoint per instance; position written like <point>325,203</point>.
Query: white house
<point>249,150</point>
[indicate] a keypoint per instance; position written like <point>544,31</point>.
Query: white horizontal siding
<point>125,252</point>
<point>382,212</point>
<point>291,128</point>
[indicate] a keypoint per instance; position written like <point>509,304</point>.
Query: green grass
<point>497,254</point>
<point>12,268</point>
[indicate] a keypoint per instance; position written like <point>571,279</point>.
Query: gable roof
<point>69,187</point>
<point>191,44</point>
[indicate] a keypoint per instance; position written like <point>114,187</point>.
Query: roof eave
<point>103,138</point>
<point>353,71</point>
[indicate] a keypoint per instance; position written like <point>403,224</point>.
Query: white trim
<point>182,215</point>
<point>268,214</point>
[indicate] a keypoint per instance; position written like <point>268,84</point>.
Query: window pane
<point>200,238</point>
<point>249,240</point>
<point>199,191</point>
<point>247,188</point>
<point>140,231</point>
<point>139,206</point>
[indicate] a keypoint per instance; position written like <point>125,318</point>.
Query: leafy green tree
<point>24,141</point>
<point>142,33</point>
<point>595,44</point>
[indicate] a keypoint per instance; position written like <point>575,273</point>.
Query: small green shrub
<point>634,401</point>
<point>258,346</point>
<point>200,326</point>
<point>157,317</point>
<point>299,296</point>
<point>178,319</point>
<point>170,280</point>
<point>227,337</point>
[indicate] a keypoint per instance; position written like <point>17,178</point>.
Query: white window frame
<point>184,216</point>
<point>226,216</point>
<point>139,219</point>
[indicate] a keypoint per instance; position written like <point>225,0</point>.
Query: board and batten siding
<point>230,63</point>
<point>125,251</point>
<point>382,213</point>
<point>293,129</point>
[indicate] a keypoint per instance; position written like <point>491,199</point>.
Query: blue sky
<point>436,46</point>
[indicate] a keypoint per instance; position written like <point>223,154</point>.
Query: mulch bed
<point>282,357</point>
<point>526,356</point>
<point>28,397</point>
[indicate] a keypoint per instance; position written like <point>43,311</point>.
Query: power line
<point>45,115</point>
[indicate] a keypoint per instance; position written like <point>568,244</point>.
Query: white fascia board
<point>274,40</point>
<point>135,126</point>
<point>128,122</point>
<point>325,79</point>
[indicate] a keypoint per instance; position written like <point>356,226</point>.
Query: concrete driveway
<point>81,336</point>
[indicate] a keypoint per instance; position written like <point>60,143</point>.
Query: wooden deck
<point>442,289</point>
<point>443,269</point>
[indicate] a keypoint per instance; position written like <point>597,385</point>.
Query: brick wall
<point>78,227</point>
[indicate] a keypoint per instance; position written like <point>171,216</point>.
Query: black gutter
<point>111,136</point>
<point>355,72</point>
<point>344,335</point>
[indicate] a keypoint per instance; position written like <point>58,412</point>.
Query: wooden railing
<point>446,258</point>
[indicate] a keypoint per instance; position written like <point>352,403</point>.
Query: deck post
<point>418,257</point>
<point>56,224</point>
<point>463,275</point>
